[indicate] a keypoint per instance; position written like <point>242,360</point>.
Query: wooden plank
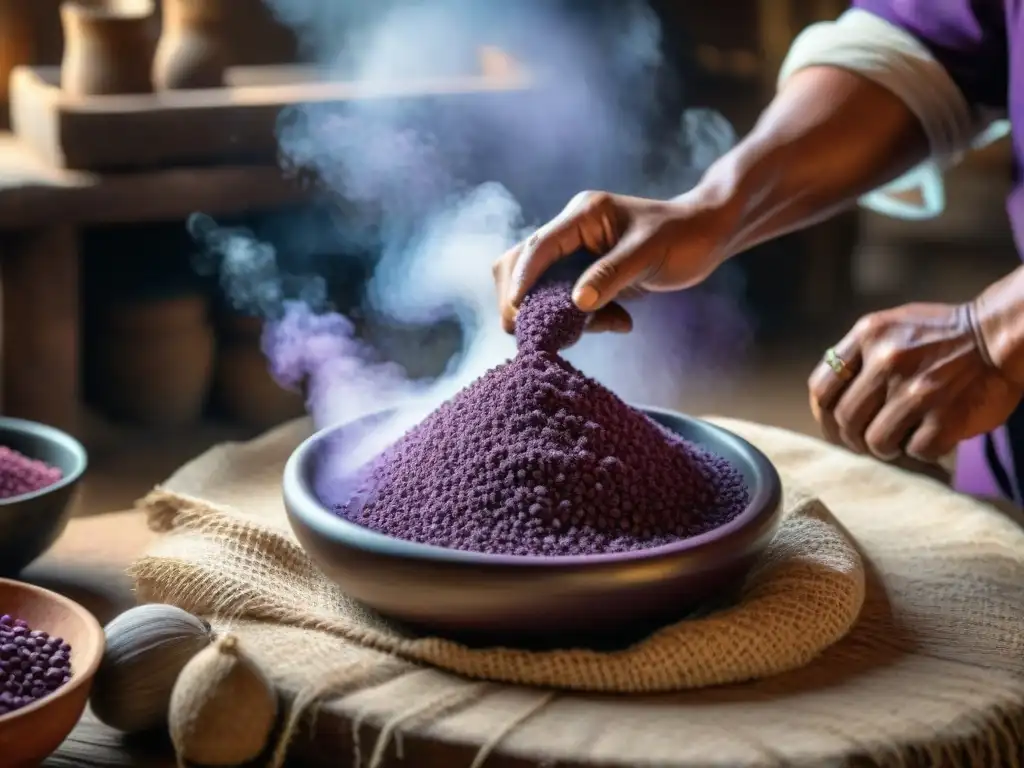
<point>34,193</point>
<point>94,745</point>
<point>191,127</point>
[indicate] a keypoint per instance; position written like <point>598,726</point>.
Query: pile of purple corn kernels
<point>20,475</point>
<point>32,664</point>
<point>534,458</point>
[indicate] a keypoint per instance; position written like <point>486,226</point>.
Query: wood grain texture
<point>33,193</point>
<point>192,127</point>
<point>94,745</point>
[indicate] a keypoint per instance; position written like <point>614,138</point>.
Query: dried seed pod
<point>147,647</point>
<point>223,708</point>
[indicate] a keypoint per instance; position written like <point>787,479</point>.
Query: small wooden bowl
<point>29,735</point>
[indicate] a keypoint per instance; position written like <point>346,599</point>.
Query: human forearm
<point>828,137</point>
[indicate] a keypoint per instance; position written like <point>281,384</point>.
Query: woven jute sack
<point>929,674</point>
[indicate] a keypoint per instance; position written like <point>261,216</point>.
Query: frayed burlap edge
<point>832,596</point>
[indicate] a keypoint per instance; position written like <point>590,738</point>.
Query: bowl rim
<point>81,677</point>
<point>54,435</point>
<point>301,502</point>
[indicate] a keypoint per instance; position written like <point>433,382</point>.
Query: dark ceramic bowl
<point>30,523</point>
<point>473,595</point>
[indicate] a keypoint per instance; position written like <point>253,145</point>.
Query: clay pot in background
<point>153,361</point>
<point>192,52</point>
<point>108,46</point>
<point>243,388</point>
<point>16,38</point>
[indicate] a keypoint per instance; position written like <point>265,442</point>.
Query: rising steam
<point>417,179</point>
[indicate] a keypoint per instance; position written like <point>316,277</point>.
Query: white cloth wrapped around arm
<point>893,58</point>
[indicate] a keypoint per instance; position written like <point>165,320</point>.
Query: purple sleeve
<point>968,37</point>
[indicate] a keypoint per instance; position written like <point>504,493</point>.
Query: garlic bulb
<point>147,647</point>
<point>223,708</point>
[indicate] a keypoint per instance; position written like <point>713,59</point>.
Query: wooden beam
<point>33,193</point>
<point>206,126</point>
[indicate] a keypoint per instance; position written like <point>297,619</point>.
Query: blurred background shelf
<point>64,232</point>
<point>231,124</point>
<point>35,193</point>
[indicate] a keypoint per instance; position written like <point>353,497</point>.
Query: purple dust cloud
<point>320,355</point>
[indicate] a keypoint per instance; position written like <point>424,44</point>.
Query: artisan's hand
<point>913,380</point>
<point>641,245</point>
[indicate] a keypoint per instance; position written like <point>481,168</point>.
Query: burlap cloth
<point>930,673</point>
